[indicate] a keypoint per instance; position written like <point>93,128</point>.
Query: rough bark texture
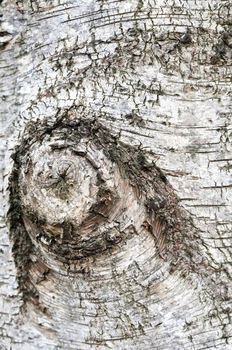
<point>116,175</point>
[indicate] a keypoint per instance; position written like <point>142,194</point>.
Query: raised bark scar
<point>77,192</point>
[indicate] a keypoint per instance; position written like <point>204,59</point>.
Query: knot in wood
<point>77,192</point>
<point>74,200</point>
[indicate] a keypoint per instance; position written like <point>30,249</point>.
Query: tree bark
<point>116,174</point>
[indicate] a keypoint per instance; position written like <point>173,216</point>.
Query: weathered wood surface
<point>157,76</point>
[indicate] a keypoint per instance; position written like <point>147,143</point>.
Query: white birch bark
<point>157,75</point>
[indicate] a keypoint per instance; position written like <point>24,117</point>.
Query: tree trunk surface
<point>115,175</point>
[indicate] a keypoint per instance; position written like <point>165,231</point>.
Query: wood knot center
<point>59,176</point>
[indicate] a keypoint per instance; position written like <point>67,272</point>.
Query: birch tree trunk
<point>116,174</point>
